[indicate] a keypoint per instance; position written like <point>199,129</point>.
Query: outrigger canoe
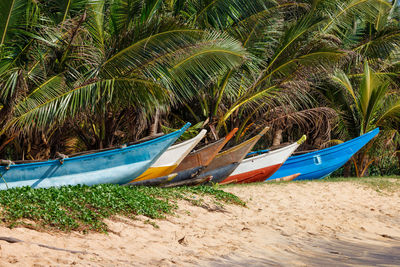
<point>115,166</point>
<point>261,167</point>
<point>321,163</point>
<point>171,158</point>
<point>233,155</point>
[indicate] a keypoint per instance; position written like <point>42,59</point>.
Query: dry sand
<point>301,224</point>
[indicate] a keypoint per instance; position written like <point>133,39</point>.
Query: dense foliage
<point>86,74</point>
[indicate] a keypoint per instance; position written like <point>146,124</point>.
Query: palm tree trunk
<point>277,138</point>
<point>347,169</point>
<point>154,126</point>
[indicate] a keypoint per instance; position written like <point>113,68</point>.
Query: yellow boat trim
<point>302,139</point>
<point>154,172</point>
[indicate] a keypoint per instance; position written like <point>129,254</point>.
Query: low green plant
<point>84,208</point>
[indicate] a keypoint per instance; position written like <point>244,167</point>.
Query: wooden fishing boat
<point>221,173</point>
<point>321,163</point>
<point>173,178</point>
<point>171,158</point>
<point>196,161</point>
<point>204,155</point>
<point>116,166</point>
<point>259,168</point>
<point>233,155</point>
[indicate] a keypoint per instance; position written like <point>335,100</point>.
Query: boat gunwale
<point>333,148</point>
<point>101,153</point>
<point>207,146</point>
<point>191,140</point>
<point>271,152</point>
<point>233,149</point>
<point>228,136</point>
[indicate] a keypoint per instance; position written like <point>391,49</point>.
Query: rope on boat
<point>61,157</point>
<point>4,180</point>
<point>7,163</point>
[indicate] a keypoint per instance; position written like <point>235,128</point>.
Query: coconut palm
<point>106,69</point>
<point>363,103</point>
<point>110,58</point>
<point>289,44</point>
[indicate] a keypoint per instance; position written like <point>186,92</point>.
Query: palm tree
<point>103,67</point>
<point>289,45</point>
<point>111,57</point>
<point>367,102</point>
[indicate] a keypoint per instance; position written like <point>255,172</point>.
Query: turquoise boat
<point>321,163</point>
<point>115,166</point>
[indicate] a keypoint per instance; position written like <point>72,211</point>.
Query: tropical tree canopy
<point>87,74</point>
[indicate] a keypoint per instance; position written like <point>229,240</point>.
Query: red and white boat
<point>261,167</point>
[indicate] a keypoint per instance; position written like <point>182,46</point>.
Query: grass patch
<point>378,183</point>
<point>83,208</point>
<point>388,184</point>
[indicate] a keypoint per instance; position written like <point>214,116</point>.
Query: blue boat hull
<point>117,166</point>
<point>321,163</point>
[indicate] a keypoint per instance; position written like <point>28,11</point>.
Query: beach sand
<point>291,224</point>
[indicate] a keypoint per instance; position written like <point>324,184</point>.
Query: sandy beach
<point>291,224</point>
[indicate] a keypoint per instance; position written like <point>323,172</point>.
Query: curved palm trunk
<point>398,154</point>
<point>277,138</point>
<point>154,126</point>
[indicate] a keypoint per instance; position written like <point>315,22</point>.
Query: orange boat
<point>205,155</point>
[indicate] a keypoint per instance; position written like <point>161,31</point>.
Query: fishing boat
<point>170,178</point>
<point>261,167</point>
<point>171,158</point>
<point>204,155</point>
<point>233,155</point>
<point>193,164</point>
<point>116,166</point>
<point>221,173</point>
<point>321,163</point>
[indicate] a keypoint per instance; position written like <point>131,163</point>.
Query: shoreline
<point>307,223</point>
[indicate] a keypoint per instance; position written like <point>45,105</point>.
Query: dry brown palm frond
<point>316,123</point>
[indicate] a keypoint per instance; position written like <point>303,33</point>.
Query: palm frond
<point>53,103</point>
<point>95,20</point>
<point>11,12</point>
<point>221,14</point>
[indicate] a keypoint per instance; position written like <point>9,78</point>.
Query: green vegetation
<point>86,74</point>
<point>83,208</point>
<point>378,183</point>
<point>385,184</point>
